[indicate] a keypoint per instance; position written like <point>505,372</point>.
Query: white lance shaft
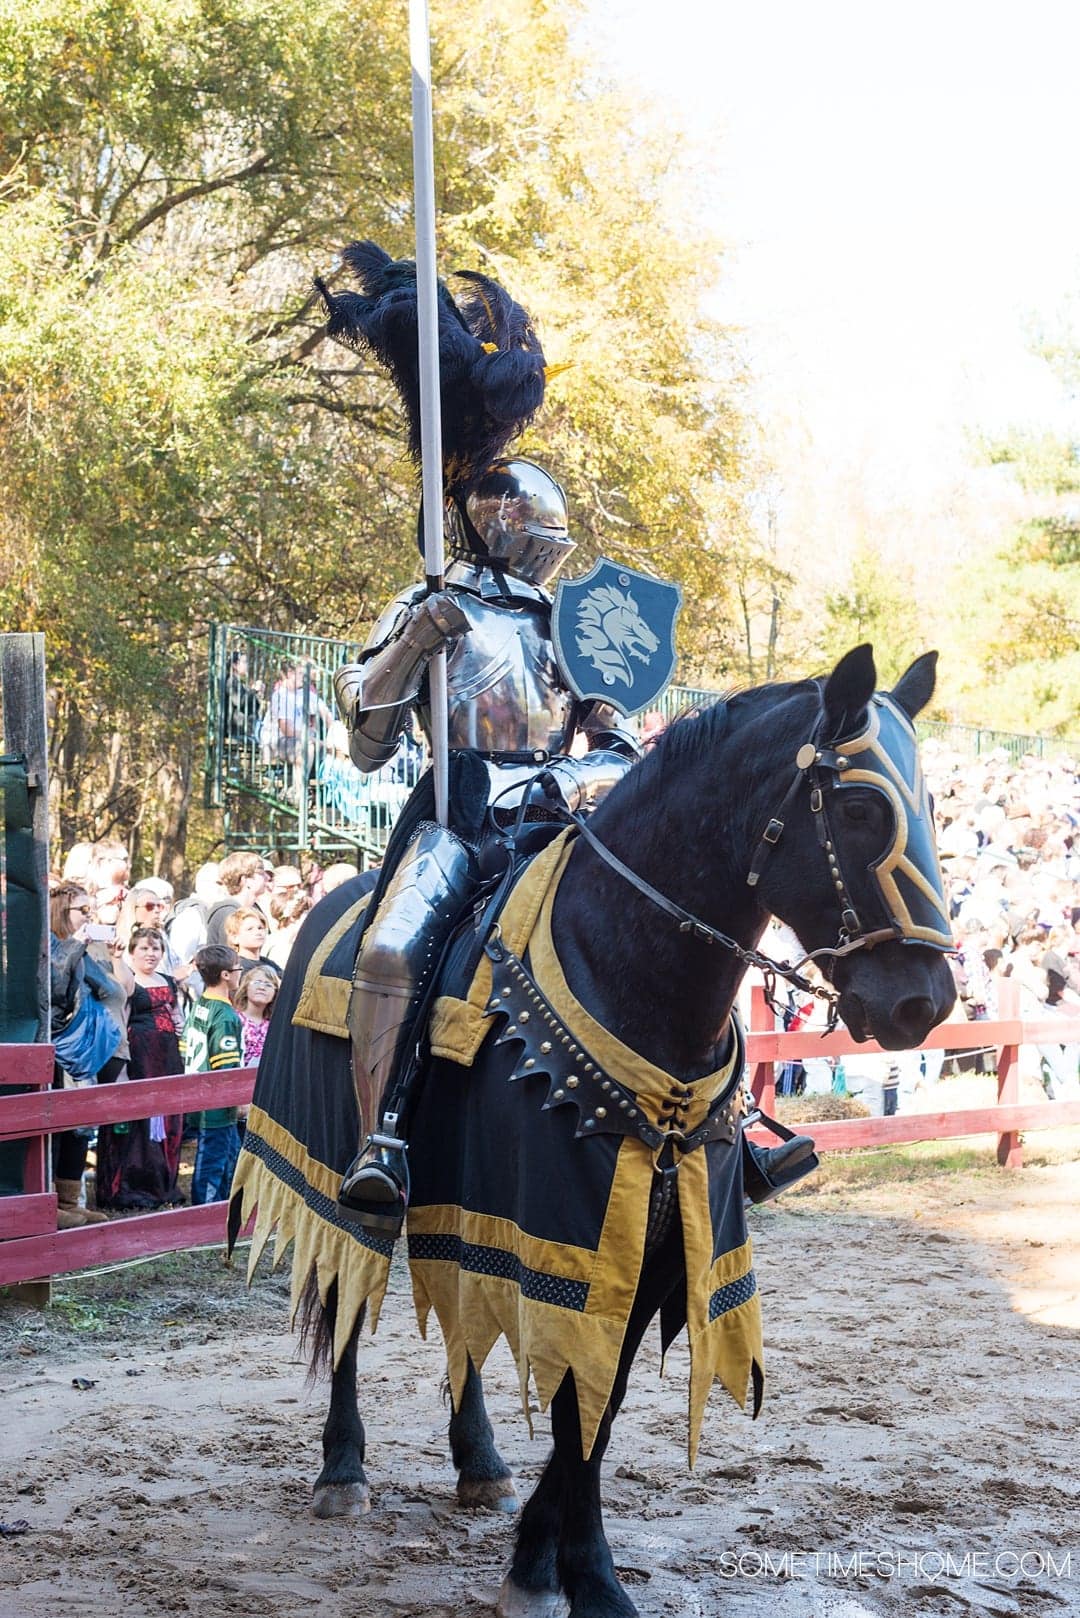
<point>430,417</point>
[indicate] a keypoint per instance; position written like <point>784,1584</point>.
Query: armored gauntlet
<point>375,696</point>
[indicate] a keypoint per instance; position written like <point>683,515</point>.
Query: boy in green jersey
<point>211,1043</point>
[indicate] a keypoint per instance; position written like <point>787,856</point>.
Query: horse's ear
<point>915,686</point>
<point>848,689</point>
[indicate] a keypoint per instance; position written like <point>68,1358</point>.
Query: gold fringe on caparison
<point>546,1339</point>
<point>334,1252</point>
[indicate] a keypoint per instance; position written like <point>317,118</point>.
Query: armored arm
<point>376,694</point>
<point>583,782</point>
<point>605,727</point>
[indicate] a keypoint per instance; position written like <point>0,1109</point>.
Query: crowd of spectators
<point>132,998</point>
<point>1009,840</point>
<point>128,959</point>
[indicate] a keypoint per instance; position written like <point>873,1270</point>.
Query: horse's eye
<point>856,811</point>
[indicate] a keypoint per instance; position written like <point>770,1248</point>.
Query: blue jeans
<point>214,1163</point>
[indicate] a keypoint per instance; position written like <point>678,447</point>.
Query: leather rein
<point>812,760</point>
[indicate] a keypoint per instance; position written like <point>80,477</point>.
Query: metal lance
<point>430,416</point>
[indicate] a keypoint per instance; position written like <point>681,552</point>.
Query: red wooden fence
<point>32,1248</point>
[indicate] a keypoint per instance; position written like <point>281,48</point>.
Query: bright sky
<point>899,188</point>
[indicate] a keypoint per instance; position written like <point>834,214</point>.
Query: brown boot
<point>69,1216</point>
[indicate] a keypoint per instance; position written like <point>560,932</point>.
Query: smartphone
<point>98,933</point>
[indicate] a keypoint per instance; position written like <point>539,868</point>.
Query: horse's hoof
<point>497,1494</point>
<point>341,1500</point>
<point>514,1602</point>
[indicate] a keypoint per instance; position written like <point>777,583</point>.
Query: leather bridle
<point>817,768</point>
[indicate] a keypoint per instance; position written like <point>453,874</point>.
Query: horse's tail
<point>317,1326</point>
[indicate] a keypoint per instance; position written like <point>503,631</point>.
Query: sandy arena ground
<point>922,1312</point>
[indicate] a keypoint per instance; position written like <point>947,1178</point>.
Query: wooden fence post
<point>762,1021</point>
<point>24,970</point>
<point>1010,1152</point>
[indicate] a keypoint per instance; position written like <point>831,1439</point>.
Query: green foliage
<point>177,441</point>
<point>878,605</point>
<point>1024,634</point>
<point>1029,625</point>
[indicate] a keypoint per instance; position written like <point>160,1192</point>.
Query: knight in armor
<point>506,529</point>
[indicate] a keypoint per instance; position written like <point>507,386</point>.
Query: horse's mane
<point>693,742</point>
<point>695,736</point>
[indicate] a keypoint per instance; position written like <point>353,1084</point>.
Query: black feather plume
<point>491,365</point>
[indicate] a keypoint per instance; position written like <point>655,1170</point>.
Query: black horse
<point>749,810</point>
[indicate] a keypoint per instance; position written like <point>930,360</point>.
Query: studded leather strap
<point>605,1106</point>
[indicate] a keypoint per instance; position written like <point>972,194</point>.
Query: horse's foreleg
<point>484,1478</point>
<point>531,1589</point>
<point>585,1567</point>
<point>584,1563</point>
<point>561,1545</point>
<point>341,1488</point>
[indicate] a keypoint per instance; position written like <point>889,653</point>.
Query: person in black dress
<point>137,1162</point>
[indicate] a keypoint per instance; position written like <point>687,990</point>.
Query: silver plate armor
<point>517,514</point>
<point>508,700</point>
<point>506,692</point>
<point>400,951</point>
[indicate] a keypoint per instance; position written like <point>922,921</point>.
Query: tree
<point>179,443</point>
<point>878,605</point>
<point>1028,626</point>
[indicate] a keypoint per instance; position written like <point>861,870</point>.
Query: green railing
<point>277,762</point>
<point>300,790</point>
<point>972,741</point>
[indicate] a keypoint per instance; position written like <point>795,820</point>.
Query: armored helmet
<point>514,517</point>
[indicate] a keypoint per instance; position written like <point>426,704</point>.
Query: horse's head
<point>611,630</point>
<point>854,861</point>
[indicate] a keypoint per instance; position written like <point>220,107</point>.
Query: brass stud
<point>545,1047</point>
<point>589,1068</point>
<point>512,1029</point>
<point>560,1095</point>
<point>530,1061</point>
<point>572,1082</point>
<point>493,1005</point>
<point>624,1104</point>
<point>506,994</point>
<point>601,1112</point>
<point>565,1038</point>
<point>606,1085</point>
<point>524,1017</point>
<point>590,1123</point>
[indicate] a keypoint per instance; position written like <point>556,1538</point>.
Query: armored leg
<point>398,956</point>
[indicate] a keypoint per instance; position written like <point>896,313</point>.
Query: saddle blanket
<point>518,1227</point>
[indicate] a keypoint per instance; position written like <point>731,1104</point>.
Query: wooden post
<point>1010,1152</point>
<point>22,732</point>
<point>762,1021</point>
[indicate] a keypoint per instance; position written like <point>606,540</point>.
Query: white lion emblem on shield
<point>610,631</point>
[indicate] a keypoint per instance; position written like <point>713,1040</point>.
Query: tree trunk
<point>175,778</point>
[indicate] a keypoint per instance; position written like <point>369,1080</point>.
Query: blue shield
<point>614,635</point>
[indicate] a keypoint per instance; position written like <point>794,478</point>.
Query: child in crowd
<point>254,1002</point>
<point>212,1043</point>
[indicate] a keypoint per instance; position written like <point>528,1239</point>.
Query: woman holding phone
<point>85,1020</point>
